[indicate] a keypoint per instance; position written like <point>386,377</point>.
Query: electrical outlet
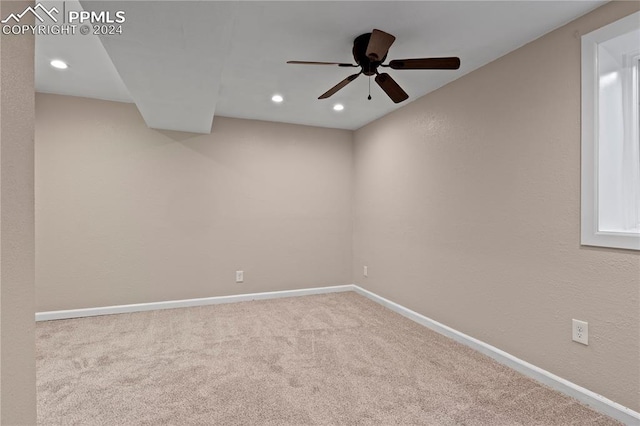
<point>580,332</point>
<point>365,271</point>
<point>239,276</point>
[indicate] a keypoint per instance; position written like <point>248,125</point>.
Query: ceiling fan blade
<point>321,63</point>
<point>379,45</point>
<point>426,64</point>
<point>391,88</point>
<point>339,86</point>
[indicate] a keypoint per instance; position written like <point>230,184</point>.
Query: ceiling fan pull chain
<point>369,88</point>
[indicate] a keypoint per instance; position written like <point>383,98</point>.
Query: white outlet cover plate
<point>239,276</point>
<point>580,332</point>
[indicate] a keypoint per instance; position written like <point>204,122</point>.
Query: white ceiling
<point>91,73</point>
<point>183,61</point>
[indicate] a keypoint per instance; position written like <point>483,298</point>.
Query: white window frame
<point>590,233</point>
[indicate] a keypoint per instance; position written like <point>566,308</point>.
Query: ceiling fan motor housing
<point>368,65</point>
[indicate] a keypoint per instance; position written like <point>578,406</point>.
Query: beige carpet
<point>327,359</point>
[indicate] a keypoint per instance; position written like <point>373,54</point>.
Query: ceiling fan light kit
<point>370,51</point>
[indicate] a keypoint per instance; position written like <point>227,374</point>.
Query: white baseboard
<point>186,303</point>
<point>587,397</point>
<point>592,399</point>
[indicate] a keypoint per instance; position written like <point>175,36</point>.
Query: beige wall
<point>127,214</point>
<point>467,210</point>
<point>17,328</point>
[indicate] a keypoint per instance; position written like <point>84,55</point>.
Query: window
<point>611,135</point>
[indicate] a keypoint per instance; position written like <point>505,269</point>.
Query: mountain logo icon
<point>34,10</point>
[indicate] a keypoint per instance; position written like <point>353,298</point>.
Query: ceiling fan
<point>370,51</point>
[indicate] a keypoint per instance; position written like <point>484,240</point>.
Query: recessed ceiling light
<point>61,65</point>
<point>277,98</point>
<point>338,107</point>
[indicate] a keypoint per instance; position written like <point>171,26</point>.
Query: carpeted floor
<point>326,359</point>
